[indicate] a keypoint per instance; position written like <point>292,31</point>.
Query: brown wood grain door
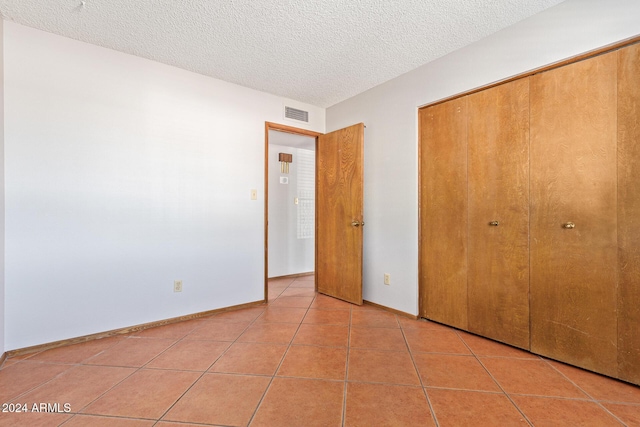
<point>339,207</point>
<point>498,275</point>
<point>573,181</point>
<point>443,213</point>
<point>629,213</point>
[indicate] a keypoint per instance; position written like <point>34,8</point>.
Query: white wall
<point>391,137</point>
<point>287,253</point>
<point>122,175</point>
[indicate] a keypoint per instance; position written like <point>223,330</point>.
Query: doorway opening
<point>339,191</point>
<point>289,202</point>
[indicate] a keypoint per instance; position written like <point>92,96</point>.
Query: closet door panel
<point>629,213</point>
<point>573,180</point>
<point>443,213</point>
<point>498,281</point>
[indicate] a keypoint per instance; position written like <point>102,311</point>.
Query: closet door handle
<point>494,223</point>
<point>569,225</point>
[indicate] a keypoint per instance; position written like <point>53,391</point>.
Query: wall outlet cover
<point>177,286</point>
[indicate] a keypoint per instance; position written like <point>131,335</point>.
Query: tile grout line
<point>275,372</point>
<point>593,399</point>
<point>206,370</point>
<point>138,369</point>
<point>346,372</point>
<point>422,386</point>
<point>213,363</point>
<point>493,378</point>
<point>231,343</point>
<point>116,417</point>
<point>70,366</point>
<point>135,370</point>
<point>78,412</point>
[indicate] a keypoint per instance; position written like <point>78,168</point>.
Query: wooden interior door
<point>498,275</point>
<point>573,180</point>
<point>443,213</point>
<point>629,213</point>
<point>339,206</point>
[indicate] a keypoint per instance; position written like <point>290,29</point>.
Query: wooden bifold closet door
<point>574,214</point>
<point>443,213</point>
<point>498,165</point>
<point>629,213</point>
<point>530,212</point>
<point>475,213</point>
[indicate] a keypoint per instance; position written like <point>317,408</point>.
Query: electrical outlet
<point>254,194</point>
<point>177,286</point>
<point>387,279</point>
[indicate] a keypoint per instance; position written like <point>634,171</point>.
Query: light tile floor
<point>308,360</point>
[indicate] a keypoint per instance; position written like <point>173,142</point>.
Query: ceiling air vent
<point>295,114</point>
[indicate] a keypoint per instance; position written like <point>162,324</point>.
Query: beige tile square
<point>23,376</point>
<point>598,386</point>
<point>564,412</point>
<point>435,341</point>
<point>220,399</point>
<point>328,317</point>
<point>453,371</point>
<point>325,335</point>
<point>189,355</point>
<point>218,331</point>
<point>251,358</point>
<point>393,367</point>
<point>294,302</point>
<point>78,386</point>
<point>314,362</point>
<point>301,402</point>
<point>377,338</point>
<point>282,315</point>
<point>148,393</point>
<point>374,318</point>
<point>532,377</point>
<point>472,408</point>
<point>277,333</point>
<point>131,352</point>
<point>386,405</point>
<point>323,302</point>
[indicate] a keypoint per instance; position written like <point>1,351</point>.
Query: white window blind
<point>306,193</point>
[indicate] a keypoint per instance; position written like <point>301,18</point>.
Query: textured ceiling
<point>315,51</point>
